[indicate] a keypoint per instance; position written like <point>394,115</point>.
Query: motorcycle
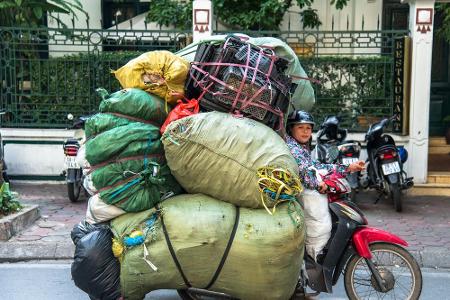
<point>73,171</point>
<point>385,164</point>
<point>332,147</point>
<point>373,262</point>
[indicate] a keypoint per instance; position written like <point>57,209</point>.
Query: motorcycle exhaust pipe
<point>408,184</point>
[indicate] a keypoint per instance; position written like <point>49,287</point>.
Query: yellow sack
<point>158,72</point>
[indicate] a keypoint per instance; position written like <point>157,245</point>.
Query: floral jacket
<point>303,158</point>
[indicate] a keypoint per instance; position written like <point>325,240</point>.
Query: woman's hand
<point>357,166</point>
<point>323,187</point>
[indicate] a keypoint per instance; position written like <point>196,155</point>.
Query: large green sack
<point>143,190</point>
<point>134,103</point>
<point>124,141</point>
<point>218,154</point>
<point>101,122</point>
<point>264,260</point>
<point>121,169</point>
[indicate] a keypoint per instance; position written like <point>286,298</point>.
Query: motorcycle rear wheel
<point>395,265</point>
<point>73,190</point>
<point>396,196</point>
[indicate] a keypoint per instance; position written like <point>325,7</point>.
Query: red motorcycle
<point>374,262</point>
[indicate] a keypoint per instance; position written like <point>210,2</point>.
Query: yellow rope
<point>277,181</point>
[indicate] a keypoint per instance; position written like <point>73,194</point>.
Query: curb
<point>14,223</point>
<point>432,258</point>
<point>24,251</point>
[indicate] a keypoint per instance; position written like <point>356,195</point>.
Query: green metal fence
<point>355,70</point>
<point>47,73</point>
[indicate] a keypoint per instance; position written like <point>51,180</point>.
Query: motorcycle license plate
<point>349,160</point>
<point>391,168</point>
<point>71,162</point>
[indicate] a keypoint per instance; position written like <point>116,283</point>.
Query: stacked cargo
<point>239,229</point>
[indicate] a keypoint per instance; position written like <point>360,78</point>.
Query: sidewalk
<point>424,224</point>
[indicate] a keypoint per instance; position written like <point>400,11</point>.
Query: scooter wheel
<point>398,269</point>
<point>396,196</point>
<point>73,190</point>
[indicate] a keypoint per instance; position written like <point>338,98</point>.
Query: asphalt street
<point>52,281</point>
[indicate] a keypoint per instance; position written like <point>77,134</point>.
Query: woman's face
<point>302,132</point>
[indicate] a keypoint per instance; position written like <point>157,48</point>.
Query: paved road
<point>51,281</point>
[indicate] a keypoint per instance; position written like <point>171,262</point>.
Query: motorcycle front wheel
<point>397,267</point>
<point>73,190</point>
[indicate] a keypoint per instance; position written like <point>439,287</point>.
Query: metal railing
<point>46,73</point>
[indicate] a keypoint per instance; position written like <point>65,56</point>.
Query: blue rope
<point>272,195</point>
<point>125,187</point>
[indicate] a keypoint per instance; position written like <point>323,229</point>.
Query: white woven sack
<point>317,220</point>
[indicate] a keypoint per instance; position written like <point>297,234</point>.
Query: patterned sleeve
<point>304,161</point>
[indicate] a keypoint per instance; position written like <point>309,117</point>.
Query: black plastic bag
<point>83,228</point>
<point>95,270</point>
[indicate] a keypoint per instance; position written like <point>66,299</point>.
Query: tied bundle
<point>277,185</point>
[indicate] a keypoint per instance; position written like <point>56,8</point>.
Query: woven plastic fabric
<point>218,154</point>
<point>143,190</point>
<point>135,103</point>
<point>124,141</point>
<point>263,263</point>
<point>122,169</point>
<point>101,122</point>
<point>158,72</point>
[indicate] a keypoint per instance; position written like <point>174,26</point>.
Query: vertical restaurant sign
<point>399,83</point>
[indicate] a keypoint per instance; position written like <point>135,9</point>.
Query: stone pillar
<point>202,15</point>
<point>421,17</point>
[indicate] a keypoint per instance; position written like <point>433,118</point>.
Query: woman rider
<point>317,217</point>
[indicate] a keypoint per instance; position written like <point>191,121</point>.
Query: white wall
<point>93,8</point>
<point>35,151</point>
<point>355,10</point>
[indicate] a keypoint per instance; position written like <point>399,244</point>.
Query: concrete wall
<point>35,154</point>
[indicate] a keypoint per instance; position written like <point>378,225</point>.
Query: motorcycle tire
<point>73,191</point>
<point>396,196</point>
<point>403,260</point>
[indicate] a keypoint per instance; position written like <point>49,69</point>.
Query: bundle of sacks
<point>238,230</point>
<point>125,167</point>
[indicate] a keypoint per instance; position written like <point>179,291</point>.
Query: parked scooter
<point>73,170</point>
<point>385,164</point>
<point>374,262</point>
<point>332,147</point>
<point>3,167</point>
